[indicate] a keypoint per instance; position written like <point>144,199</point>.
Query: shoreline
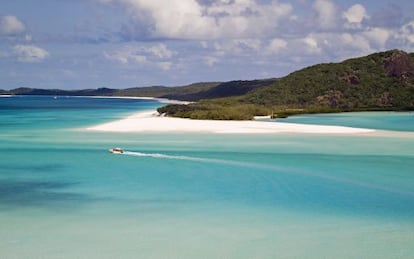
<point>152,122</point>
<point>161,100</point>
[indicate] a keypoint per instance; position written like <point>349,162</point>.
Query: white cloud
<point>354,42</point>
<point>226,38</point>
<point>247,44</point>
<point>30,53</point>
<point>140,54</point>
<point>28,37</point>
<point>119,56</point>
<point>377,36</point>
<point>158,55</point>
<point>126,55</point>
<point>237,47</point>
<point>406,34</point>
<point>138,58</point>
<point>10,25</point>
<point>165,65</point>
<point>211,60</point>
<point>277,45</point>
<point>219,52</point>
<point>312,45</point>
<point>354,16</point>
<point>161,51</point>
<point>229,36</point>
<point>326,13</point>
<point>191,19</point>
<point>244,18</point>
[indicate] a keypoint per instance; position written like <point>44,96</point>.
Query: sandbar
<point>152,122</point>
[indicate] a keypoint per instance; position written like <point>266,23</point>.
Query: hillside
<point>226,89</point>
<point>85,92</point>
<point>192,92</point>
<point>176,93</point>
<point>380,81</point>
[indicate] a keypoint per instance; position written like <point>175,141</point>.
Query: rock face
<point>351,79</point>
<point>400,65</point>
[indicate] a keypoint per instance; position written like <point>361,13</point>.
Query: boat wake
<point>212,160</point>
<point>279,169</point>
<point>205,160</point>
<point>188,158</point>
<point>208,160</point>
<point>274,168</point>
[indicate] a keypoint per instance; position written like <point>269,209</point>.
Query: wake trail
<point>188,158</point>
<point>207,160</point>
<point>279,169</point>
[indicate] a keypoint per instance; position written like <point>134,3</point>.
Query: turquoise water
<point>396,121</point>
<point>62,195</point>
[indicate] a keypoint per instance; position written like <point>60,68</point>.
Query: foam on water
<point>196,159</point>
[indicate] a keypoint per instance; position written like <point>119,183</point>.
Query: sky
<point>78,44</point>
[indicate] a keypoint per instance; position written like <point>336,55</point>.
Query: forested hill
<point>192,92</point>
<point>380,81</point>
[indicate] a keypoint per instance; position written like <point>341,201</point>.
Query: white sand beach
<point>151,122</point>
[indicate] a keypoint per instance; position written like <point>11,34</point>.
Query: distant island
<point>190,93</point>
<point>380,81</point>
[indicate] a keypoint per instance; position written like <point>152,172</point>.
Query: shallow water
<point>62,195</point>
<point>396,121</point>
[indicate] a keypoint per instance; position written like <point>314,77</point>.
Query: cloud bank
<point>121,43</point>
<point>269,37</point>
<point>275,25</point>
<point>191,19</point>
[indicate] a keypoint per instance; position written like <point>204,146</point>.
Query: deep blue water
<point>62,195</point>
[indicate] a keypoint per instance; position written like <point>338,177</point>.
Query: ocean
<point>63,195</point>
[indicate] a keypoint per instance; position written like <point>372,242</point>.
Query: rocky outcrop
<point>400,65</point>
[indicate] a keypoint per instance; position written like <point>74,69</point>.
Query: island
<point>382,81</point>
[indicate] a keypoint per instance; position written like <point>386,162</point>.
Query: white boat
<point>116,150</point>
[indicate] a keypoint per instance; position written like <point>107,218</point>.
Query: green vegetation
<point>381,81</point>
<point>192,92</point>
<point>214,111</point>
<point>153,91</point>
<point>184,93</point>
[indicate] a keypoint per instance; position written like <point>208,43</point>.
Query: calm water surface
<point>62,195</point>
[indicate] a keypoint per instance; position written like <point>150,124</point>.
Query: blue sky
<point>74,44</point>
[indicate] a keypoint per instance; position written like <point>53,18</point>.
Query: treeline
<point>192,92</point>
<point>380,81</point>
